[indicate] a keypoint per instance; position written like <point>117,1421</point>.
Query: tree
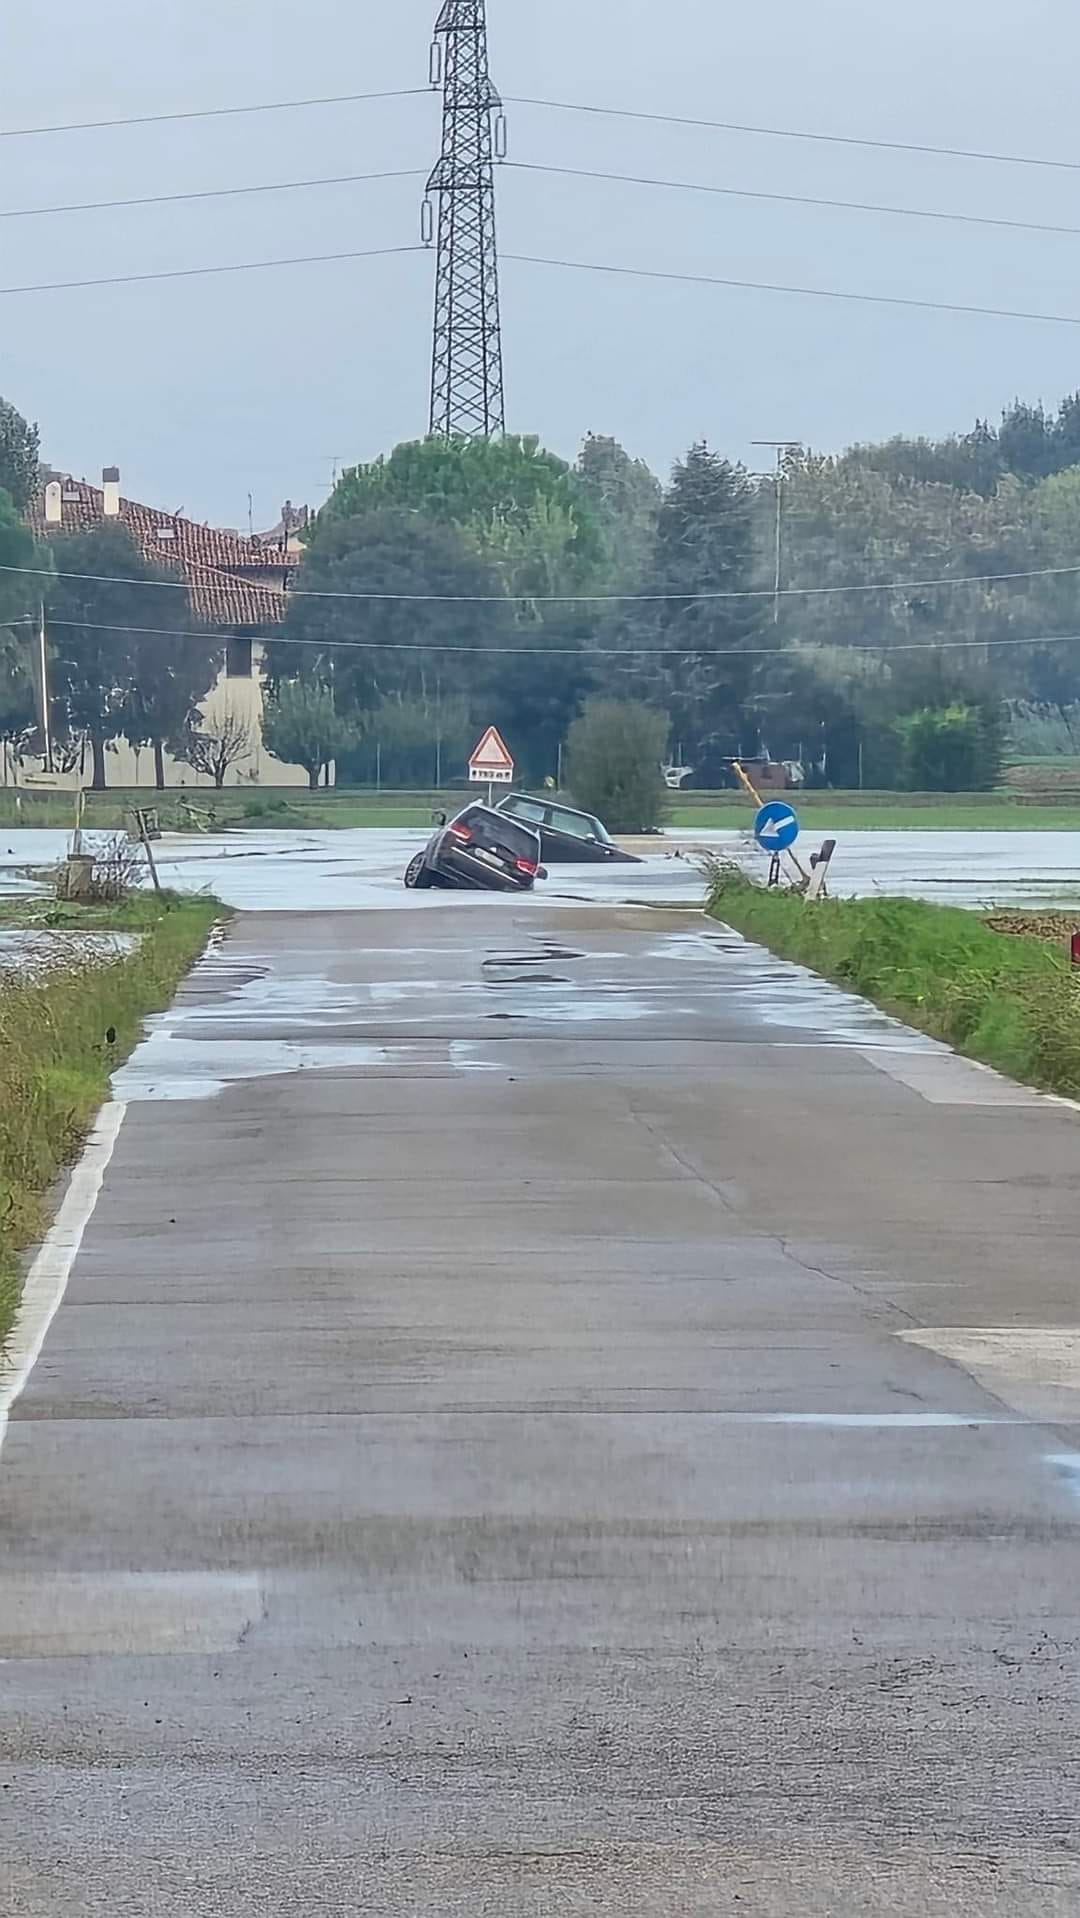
<point>18,702</point>
<point>613,763</point>
<point>704,551</point>
<point>215,741</point>
<point>625,497</point>
<point>18,599</point>
<point>479,485</point>
<point>538,680</point>
<point>412,739</point>
<point>169,679</point>
<point>398,645</point>
<point>302,727</point>
<point>110,679</point>
<point>532,525</point>
<point>20,449</point>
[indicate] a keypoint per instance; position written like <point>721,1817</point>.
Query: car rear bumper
<point>463,868</point>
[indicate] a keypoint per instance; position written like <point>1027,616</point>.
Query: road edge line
<point>47,1279</point>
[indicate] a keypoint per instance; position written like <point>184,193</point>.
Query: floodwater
<point>344,871</point>
<point>31,950</point>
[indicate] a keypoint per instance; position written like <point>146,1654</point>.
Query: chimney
<point>54,504</point>
<point>110,481</point>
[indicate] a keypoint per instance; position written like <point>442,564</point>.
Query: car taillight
<point>461,832</point>
<point>527,866</point>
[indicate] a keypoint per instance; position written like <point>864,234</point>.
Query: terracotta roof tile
<point>221,600</point>
<point>209,545</point>
<point>211,561</point>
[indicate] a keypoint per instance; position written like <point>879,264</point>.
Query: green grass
<point>984,812</point>
<point>269,809</point>
<point>1011,1002</point>
<point>259,809</point>
<point>55,1063</point>
<point>40,912</point>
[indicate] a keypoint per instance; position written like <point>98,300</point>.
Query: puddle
<point>167,1066</point>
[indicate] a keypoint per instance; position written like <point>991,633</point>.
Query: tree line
<point>451,584</point>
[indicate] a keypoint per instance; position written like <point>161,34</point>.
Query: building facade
<point>236,587</point>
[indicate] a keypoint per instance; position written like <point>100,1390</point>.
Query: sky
<point>210,390</point>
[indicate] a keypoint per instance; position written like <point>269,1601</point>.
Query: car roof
<point>551,799</point>
<point>481,805</point>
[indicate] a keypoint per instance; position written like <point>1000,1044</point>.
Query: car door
<point>572,834</point>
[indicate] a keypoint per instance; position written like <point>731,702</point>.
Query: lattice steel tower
<point>466,371</point>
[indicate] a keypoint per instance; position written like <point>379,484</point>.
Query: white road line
<point>881,1421</point>
<point>48,1276</point>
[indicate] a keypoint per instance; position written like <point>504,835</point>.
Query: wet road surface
<point>554,1412</point>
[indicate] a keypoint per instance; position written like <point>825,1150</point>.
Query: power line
<point>529,166</point>
<point>558,106</point>
<point>205,272</point>
<point>805,292</point>
<point>582,599</point>
<point>576,652</point>
<point>208,193</point>
<point>795,199</point>
<point>575,266</point>
<point>793,133</point>
<point>210,113</point>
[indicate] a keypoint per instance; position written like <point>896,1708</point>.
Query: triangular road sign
<point>491,759</point>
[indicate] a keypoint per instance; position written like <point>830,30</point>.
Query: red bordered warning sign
<point>491,762</point>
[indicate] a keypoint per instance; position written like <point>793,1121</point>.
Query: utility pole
<point>43,674</point>
<point>466,370</point>
<point>782,449</point>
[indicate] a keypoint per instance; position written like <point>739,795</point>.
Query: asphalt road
<point>554,1413</point>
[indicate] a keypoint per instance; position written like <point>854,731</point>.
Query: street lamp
<point>782,449</point>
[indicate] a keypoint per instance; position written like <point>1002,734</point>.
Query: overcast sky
<point>206,390</point>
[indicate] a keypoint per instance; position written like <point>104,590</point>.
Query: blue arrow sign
<point>776,827</point>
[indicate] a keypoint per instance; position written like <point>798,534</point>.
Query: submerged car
<point>480,850</point>
<point>567,837</point>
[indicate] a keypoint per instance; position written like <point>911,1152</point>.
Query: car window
<point>496,829</point>
<point>574,823</point>
<point>529,809</point>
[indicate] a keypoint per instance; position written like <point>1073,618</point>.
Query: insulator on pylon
<point>435,65</point>
<point>427,223</point>
<point>502,137</point>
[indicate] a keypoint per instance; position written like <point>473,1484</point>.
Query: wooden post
<point>144,835</point>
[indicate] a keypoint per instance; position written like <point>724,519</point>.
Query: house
<point>237,585</point>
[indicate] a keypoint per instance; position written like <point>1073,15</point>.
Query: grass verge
<point>55,1061</point>
<point>1010,1002</point>
<point>851,812</point>
<point>271,809</point>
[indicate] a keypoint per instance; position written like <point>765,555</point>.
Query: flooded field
<point>335,870</point>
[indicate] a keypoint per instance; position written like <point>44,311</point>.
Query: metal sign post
<point>776,829</point>
<point>748,787</point>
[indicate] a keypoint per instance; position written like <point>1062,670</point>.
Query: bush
<point>952,749</point>
<point>613,763</point>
